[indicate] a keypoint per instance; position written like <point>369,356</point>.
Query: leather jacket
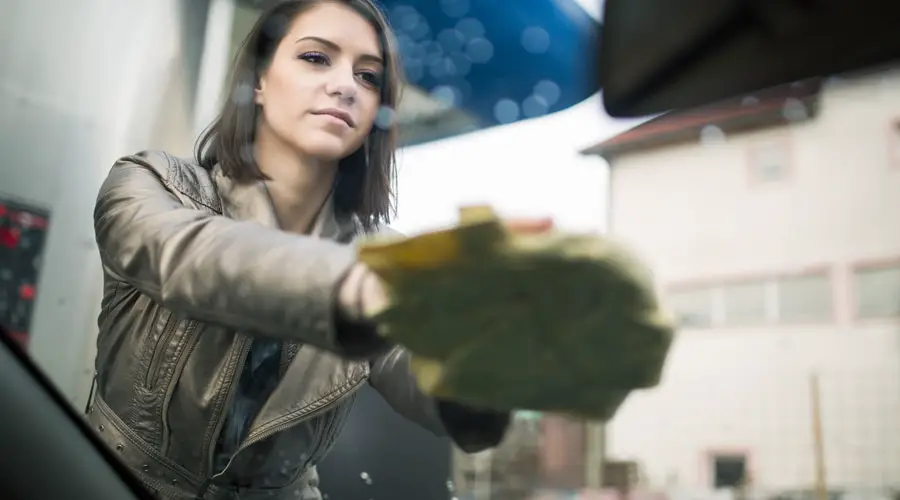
<point>196,270</point>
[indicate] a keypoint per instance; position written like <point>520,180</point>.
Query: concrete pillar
<point>82,83</point>
<point>215,64</point>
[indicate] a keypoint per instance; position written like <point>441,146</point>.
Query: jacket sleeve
<point>238,274</point>
<point>471,429</point>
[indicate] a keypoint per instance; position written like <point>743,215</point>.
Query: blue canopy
<point>499,60</point>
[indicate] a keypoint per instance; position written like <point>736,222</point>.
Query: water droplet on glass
<point>461,64</point>
<point>470,27</point>
<point>446,95</point>
<point>712,135</point>
<point>794,110</point>
<point>365,477</point>
<point>451,40</point>
<point>243,94</point>
<point>455,8</point>
<point>480,50</point>
<point>408,19</point>
<point>548,90</point>
<point>432,50</point>
<point>420,30</point>
<point>385,118</point>
<point>506,111</point>
<point>534,106</point>
<point>536,40</point>
<point>443,67</point>
<point>750,101</point>
<point>415,70</point>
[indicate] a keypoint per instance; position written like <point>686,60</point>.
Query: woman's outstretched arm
<point>471,429</point>
<point>239,274</point>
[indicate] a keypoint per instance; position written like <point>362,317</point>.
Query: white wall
<point>691,212</point>
<point>77,90</point>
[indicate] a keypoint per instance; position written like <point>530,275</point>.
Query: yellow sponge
<point>548,321</point>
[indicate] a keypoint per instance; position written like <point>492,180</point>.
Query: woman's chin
<point>325,147</point>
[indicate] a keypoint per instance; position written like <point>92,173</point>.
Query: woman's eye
<point>372,78</point>
<point>314,58</point>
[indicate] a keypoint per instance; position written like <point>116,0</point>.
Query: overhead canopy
<point>490,62</point>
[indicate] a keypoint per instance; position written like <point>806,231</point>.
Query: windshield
<point>769,222</point>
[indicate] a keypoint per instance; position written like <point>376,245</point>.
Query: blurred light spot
<point>750,101</point>
<point>536,40</point>
<point>385,118</point>
<point>432,50</point>
<point>415,70</point>
<point>455,8</point>
<point>506,111</point>
<point>446,95</point>
<point>416,52</point>
<point>534,106</point>
<point>470,27</point>
<point>451,40</point>
<point>365,477</point>
<point>449,485</point>
<point>243,94</point>
<point>442,68</point>
<point>462,64</point>
<point>407,18</point>
<point>406,44</point>
<point>548,90</point>
<point>712,135</point>
<point>480,50</point>
<point>794,110</point>
<point>420,31</point>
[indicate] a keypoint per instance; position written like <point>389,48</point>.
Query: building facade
<point>772,223</point>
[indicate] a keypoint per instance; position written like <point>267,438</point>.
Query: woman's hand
<point>362,294</point>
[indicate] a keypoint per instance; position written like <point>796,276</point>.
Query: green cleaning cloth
<point>549,321</point>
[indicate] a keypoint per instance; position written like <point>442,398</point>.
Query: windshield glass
<point>769,222</point>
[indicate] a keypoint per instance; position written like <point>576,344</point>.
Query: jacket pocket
<point>161,349</point>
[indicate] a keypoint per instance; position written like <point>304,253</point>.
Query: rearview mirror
<point>660,55</point>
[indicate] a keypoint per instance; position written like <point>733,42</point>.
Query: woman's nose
<point>342,83</point>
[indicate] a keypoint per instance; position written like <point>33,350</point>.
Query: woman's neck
<point>298,186</point>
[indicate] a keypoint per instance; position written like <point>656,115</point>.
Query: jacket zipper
<point>220,420</point>
<point>251,440</point>
<point>183,359</point>
<point>159,351</point>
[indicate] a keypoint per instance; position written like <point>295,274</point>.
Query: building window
<point>728,470</point>
<point>804,299</point>
<point>744,304</point>
<point>878,292</point>
<point>769,162</point>
<point>693,308</point>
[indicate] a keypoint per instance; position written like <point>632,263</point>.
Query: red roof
<point>765,108</point>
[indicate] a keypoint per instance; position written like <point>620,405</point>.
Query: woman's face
<point>321,91</point>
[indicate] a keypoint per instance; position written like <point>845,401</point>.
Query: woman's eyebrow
<point>333,46</point>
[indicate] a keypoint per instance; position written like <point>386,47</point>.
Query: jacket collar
<point>251,202</point>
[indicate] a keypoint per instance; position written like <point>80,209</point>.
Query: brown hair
<point>366,180</point>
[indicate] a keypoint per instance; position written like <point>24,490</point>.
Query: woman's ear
<point>259,91</point>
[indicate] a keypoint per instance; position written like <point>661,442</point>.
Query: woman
<point>234,327</point>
